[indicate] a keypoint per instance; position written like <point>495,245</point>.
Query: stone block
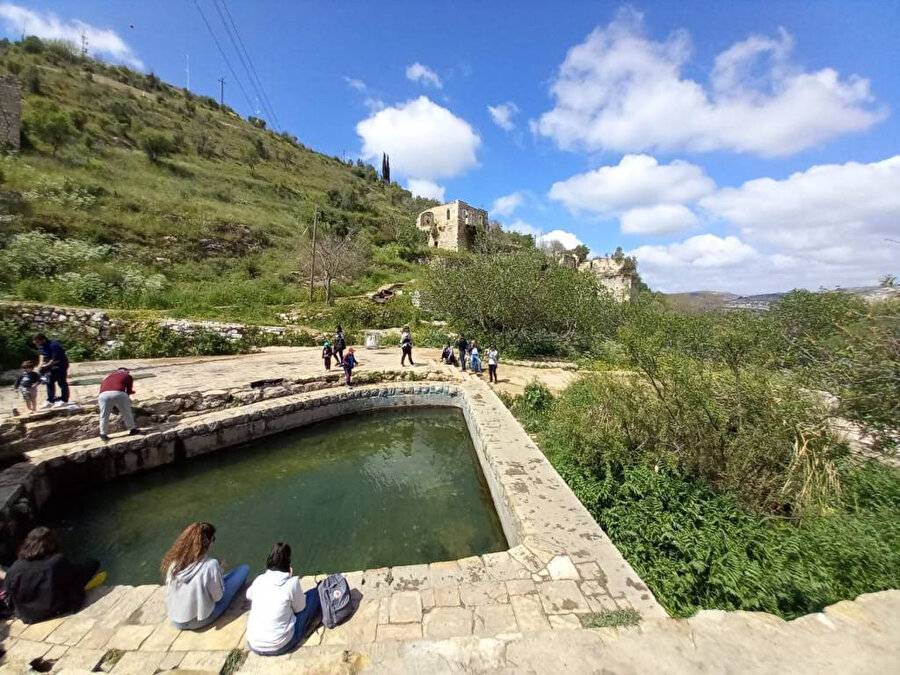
<point>564,622</point>
<point>128,638</point>
<point>162,637</point>
<point>503,567</point>
<point>529,613</point>
<point>410,577</point>
<point>38,632</point>
<point>493,620</point>
<point>204,661</point>
<point>483,593</point>
<point>358,629</point>
<point>591,571</point>
<point>561,567</point>
<point>138,663</point>
<point>25,651</point>
<point>447,596</point>
<point>406,607</point>
<point>562,597</point>
<point>445,573</point>
<point>375,583</point>
<point>399,631</point>
<point>472,569</point>
<point>224,634</point>
<point>171,661</point>
<point>447,622</point>
<point>72,631</point>
<point>520,587</point>
<point>428,598</point>
<point>76,658</point>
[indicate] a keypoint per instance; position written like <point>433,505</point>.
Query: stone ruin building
<point>10,112</point>
<point>617,275</point>
<point>452,226</point>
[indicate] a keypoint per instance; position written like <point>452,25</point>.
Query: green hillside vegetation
<point>130,193</point>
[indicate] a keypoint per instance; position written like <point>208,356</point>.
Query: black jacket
<point>42,589</point>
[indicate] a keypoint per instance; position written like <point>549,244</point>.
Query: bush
<point>355,314</point>
<point>156,145</point>
<point>48,123</point>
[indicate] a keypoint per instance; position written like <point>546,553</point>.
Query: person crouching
<point>115,392</point>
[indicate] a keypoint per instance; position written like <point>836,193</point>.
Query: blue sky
<point>741,146</point>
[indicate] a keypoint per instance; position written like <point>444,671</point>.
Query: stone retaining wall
<point>99,327</point>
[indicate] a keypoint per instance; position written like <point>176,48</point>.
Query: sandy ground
<point>186,374</point>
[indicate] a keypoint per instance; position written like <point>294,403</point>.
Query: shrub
<point>48,123</point>
<point>156,145</point>
<point>396,312</point>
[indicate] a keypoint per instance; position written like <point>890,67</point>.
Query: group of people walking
<point>43,583</point>
<point>335,350</point>
<point>470,352</point>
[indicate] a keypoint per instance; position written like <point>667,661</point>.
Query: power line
<point>252,67</point>
<point>222,52</point>
<point>240,56</point>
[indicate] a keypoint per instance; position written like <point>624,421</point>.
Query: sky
<point>746,147</point>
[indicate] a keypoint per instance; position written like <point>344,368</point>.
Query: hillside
<point>211,228</point>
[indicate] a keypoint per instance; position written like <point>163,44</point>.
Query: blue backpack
<point>334,594</point>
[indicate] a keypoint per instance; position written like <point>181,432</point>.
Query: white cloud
<point>424,75</point>
<point>426,188</point>
<point>659,219</point>
<point>355,83</point>
<point>505,205</point>
<point>502,115</point>
<point>619,90</point>
<point>637,181</point>
<point>826,226</point>
<point>567,239</point>
<point>522,227</point>
<point>424,140</point>
<point>17,19</point>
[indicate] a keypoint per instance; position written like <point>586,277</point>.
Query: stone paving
<point>519,610</point>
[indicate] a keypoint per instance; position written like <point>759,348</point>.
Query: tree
<point>49,123</point>
<point>581,252</point>
<point>385,168</point>
<point>156,145</point>
<point>337,257</point>
<point>251,158</point>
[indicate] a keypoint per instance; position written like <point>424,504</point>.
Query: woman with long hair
<point>42,582</point>
<point>197,591</point>
<point>280,611</point>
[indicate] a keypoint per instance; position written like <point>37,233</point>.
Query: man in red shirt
<point>115,392</point>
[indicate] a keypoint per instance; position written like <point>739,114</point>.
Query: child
<point>406,346</point>
<point>280,611</point>
<point>447,355</point>
<point>349,363</point>
<point>493,357</point>
<point>327,354</point>
<point>197,591</point>
<point>27,384</point>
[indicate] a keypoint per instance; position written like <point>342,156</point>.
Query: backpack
<point>334,594</point>
<point>339,343</point>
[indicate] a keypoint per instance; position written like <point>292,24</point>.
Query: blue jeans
<point>233,582</point>
<point>302,620</point>
<point>58,375</point>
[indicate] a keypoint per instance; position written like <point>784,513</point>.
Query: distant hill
<point>699,301</point>
<point>220,215</point>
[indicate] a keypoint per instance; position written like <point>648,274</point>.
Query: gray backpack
<point>334,594</point>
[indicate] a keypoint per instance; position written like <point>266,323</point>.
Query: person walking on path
<point>42,582</point>
<point>197,590</point>
<point>326,355</point>
<point>280,612</point>
<point>339,344</point>
<point>493,357</point>
<point>115,392</point>
<point>54,365</point>
<point>462,345</point>
<point>406,346</point>
<point>349,363</point>
<point>27,385</point>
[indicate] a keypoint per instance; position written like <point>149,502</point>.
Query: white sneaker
<point>46,404</point>
<point>60,404</point>
<point>73,406</point>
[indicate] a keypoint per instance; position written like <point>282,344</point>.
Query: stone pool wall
<point>552,536</point>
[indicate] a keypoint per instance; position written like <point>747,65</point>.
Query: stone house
<point>452,226</point>
<point>10,112</point>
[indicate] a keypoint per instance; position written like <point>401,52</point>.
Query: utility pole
<point>312,262</point>
<point>222,92</point>
<point>84,45</point>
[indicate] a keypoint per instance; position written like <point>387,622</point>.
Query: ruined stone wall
<point>613,275</point>
<point>10,112</point>
<point>452,226</point>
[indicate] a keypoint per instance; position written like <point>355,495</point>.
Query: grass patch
<point>110,659</point>
<point>234,661</point>
<point>618,618</point>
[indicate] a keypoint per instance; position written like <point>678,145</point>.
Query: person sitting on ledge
<point>197,591</point>
<point>280,612</point>
<point>43,583</point>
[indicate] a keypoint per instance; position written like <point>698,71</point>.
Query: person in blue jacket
<point>54,365</point>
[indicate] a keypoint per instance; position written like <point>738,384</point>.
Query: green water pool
<point>393,487</point>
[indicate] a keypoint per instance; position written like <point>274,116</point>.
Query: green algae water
<point>392,487</point>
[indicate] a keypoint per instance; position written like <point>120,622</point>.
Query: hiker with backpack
<point>280,611</point>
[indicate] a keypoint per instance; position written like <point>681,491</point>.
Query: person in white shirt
<point>280,612</point>
<point>493,357</point>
